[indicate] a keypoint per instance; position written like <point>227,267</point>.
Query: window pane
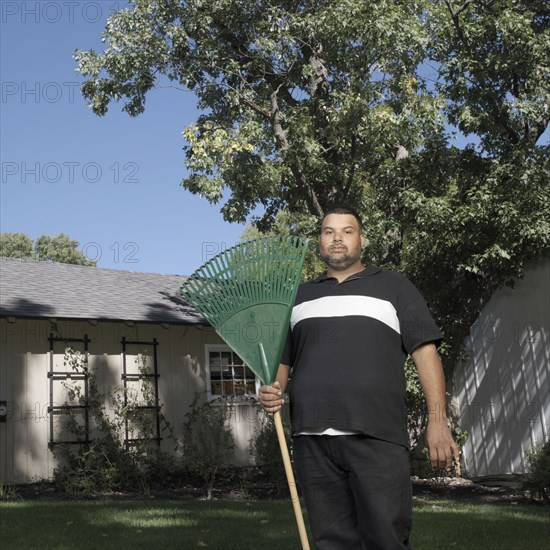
<point>215,373</point>
<point>229,376</point>
<point>216,388</point>
<point>239,372</point>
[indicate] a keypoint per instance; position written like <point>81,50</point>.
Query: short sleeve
<point>415,320</point>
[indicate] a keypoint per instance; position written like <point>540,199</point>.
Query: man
<point>351,330</point>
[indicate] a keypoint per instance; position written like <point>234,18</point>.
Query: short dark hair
<point>342,209</point>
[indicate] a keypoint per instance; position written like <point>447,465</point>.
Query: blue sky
<point>111,183</point>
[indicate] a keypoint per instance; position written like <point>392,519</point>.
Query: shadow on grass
<point>242,525</point>
<point>155,524</point>
<point>446,524</point>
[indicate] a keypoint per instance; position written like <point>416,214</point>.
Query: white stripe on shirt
<point>344,306</point>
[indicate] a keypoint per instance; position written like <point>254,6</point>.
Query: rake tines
<point>258,272</point>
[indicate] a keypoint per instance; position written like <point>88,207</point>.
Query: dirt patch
<point>256,487</point>
<point>468,490</point>
<point>234,484</point>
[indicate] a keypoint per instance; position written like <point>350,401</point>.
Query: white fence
<point>503,388</point>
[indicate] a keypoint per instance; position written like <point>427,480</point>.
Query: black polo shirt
<point>347,346</point>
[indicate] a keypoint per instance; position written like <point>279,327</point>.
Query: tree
<point>15,245</point>
<point>298,97</point>
<point>494,69</point>
<point>287,225</point>
<point>309,103</point>
<point>52,249</point>
<point>60,249</point>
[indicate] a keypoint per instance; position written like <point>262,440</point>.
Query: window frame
<point>234,398</point>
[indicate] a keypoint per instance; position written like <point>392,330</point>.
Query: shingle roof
<point>29,288</point>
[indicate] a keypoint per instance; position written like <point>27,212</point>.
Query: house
<point>122,319</point>
<point>502,389</point>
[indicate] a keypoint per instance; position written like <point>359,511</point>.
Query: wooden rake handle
<point>291,483</point>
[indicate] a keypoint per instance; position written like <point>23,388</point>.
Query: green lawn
<point>454,524</point>
<point>234,525</point>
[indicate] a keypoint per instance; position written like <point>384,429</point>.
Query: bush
<point>538,482</point>
<point>102,466</point>
<point>207,440</point>
<point>105,463</point>
<point>265,452</point>
<point>417,417</point>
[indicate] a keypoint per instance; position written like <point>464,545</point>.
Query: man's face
<point>341,241</point>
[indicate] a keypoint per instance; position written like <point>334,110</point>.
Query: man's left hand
<point>441,444</point>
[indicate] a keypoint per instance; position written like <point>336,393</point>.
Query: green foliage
<point>494,69</point>
<point>304,104</point>
<point>460,436</point>
<point>538,482</point>
<point>7,492</point>
<point>478,235</point>
<point>15,245</point>
<point>286,224</point>
<point>46,249</point>
<point>60,249</point>
<point>266,454</point>
<point>135,407</point>
<point>102,465</point>
<point>298,99</point>
<point>106,464</point>
<point>417,414</point>
<point>207,440</point>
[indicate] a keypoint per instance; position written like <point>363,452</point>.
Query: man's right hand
<point>271,397</point>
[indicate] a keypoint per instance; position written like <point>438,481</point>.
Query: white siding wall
<point>24,454</point>
<point>503,389</point>
<point>24,384</point>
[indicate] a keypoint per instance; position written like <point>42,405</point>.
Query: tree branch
<point>315,205</point>
<point>255,107</point>
<point>351,175</point>
<point>276,121</point>
<point>456,22</point>
<point>318,80</point>
<point>462,8</point>
<point>538,128</point>
<point>244,57</point>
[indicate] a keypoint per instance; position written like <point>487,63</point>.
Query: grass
<point>474,526</point>
<point>241,525</point>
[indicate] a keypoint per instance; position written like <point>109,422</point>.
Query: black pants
<point>357,491</point>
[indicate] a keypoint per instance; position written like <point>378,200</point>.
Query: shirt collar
<point>369,270</point>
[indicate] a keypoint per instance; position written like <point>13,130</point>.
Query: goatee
<point>339,262</point>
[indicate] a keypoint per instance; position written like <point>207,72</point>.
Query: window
<point>228,375</point>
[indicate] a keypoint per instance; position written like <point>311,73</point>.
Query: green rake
<point>246,293</point>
